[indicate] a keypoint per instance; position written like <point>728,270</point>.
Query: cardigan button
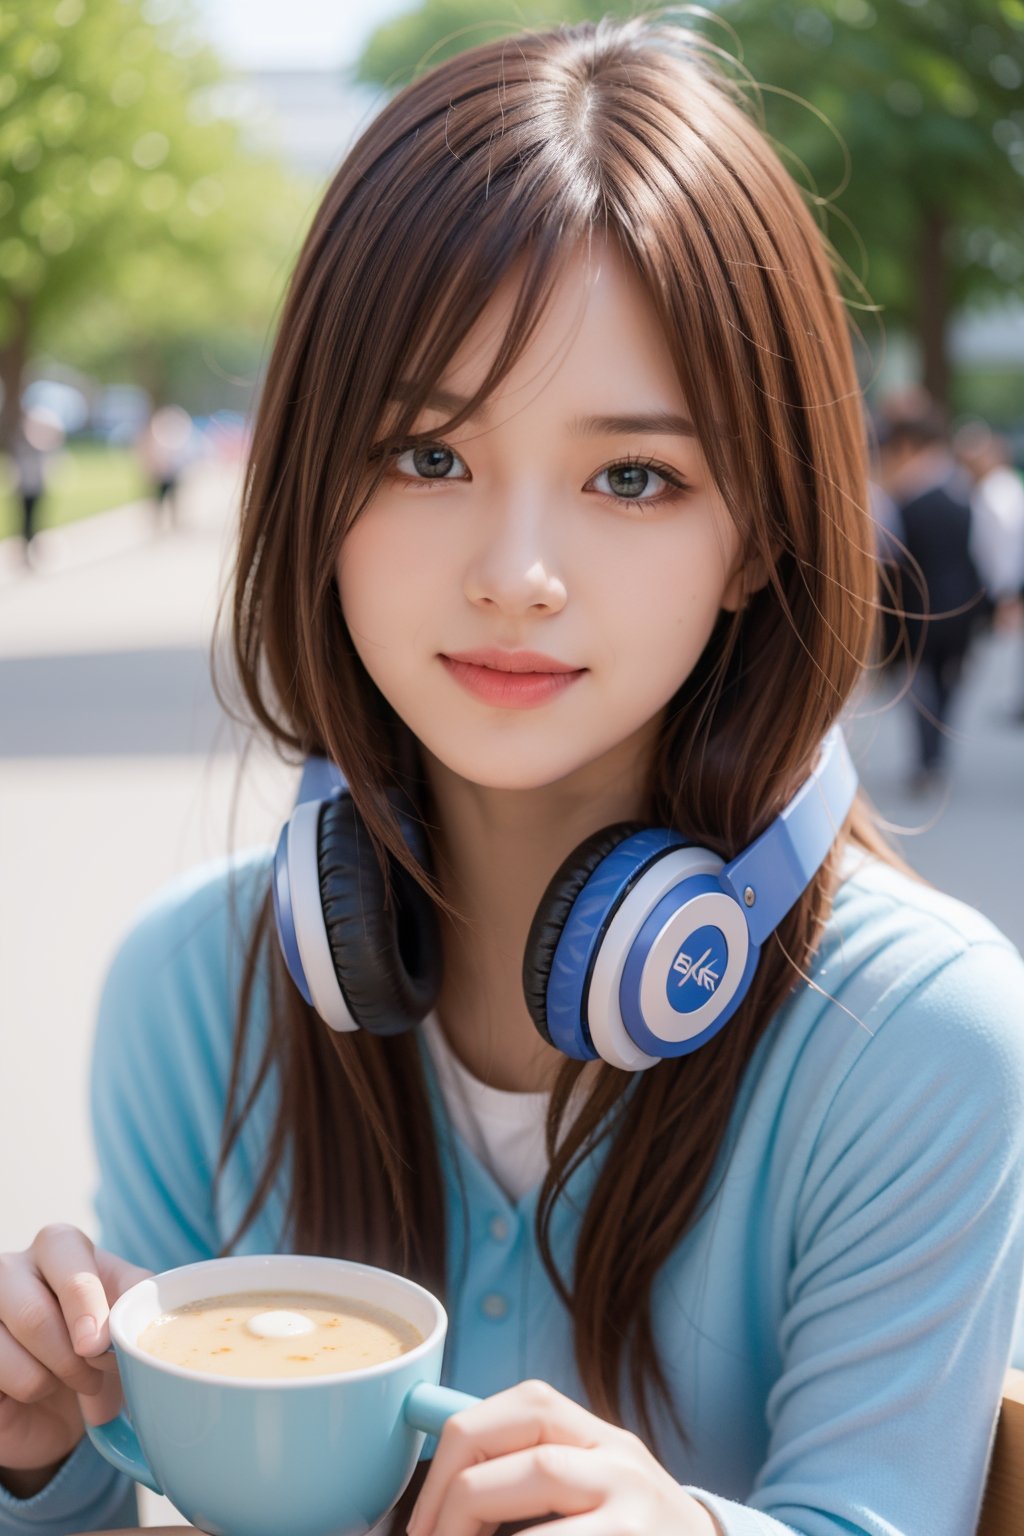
<point>498,1228</point>
<point>494,1306</point>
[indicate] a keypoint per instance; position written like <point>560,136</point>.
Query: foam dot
<point>279,1325</point>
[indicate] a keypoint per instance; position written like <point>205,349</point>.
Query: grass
<point>85,478</point>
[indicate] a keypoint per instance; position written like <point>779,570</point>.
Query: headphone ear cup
<point>553,910</point>
<point>388,964</point>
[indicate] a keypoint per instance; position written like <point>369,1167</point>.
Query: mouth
<point>507,688</point>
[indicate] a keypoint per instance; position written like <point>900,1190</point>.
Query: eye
<point>429,461</point>
<point>633,476</point>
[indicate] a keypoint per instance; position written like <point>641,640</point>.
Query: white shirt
<point>997,531</point>
<point>503,1128</point>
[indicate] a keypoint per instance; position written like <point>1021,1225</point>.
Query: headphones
<point>642,947</point>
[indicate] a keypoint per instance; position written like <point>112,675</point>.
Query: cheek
<point>666,605</point>
<point>376,573</point>
<point>665,623</point>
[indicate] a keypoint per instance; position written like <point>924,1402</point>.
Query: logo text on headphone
<point>697,969</point>
<point>701,971</point>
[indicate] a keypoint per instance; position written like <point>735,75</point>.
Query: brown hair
<point>513,152</point>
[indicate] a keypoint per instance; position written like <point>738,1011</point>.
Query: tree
<point>438,29</point>
<point>129,208</point>
<point>923,96</point>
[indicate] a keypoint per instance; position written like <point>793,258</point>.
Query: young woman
<point>588,997</point>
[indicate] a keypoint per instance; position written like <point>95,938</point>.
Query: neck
<point>495,851</point>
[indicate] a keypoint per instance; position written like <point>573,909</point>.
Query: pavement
<point>967,839</point>
<point>118,769</point>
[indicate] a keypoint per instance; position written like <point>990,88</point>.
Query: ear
<point>748,577</point>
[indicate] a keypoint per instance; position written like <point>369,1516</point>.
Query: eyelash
<point>677,485</point>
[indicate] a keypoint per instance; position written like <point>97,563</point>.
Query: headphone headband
<point>772,874</point>
<point>321,780</point>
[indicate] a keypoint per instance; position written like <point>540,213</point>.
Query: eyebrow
<point>579,426</point>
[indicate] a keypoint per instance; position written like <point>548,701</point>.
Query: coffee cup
<point>318,1455</point>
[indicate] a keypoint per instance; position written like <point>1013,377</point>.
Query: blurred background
<point>159,164</point>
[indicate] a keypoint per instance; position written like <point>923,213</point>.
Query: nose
<point>516,566</point>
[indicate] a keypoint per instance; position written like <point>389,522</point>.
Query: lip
<point>511,661</point>
<point>506,689</point>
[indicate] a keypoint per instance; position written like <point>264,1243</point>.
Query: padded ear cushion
<point>553,909</point>
<point>388,964</point>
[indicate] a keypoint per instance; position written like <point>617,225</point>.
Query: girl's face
<point>529,528</point>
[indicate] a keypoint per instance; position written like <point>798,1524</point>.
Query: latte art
<point>278,1334</point>
<point>279,1325</point>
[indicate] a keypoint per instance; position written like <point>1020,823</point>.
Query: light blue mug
<point>301,1456</point>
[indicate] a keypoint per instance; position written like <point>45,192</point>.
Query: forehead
<point>599,339</point>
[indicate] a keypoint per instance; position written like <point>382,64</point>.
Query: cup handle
<point>429,1408</point>
<point>118,1443</point>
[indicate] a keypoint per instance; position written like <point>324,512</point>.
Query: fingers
<point>107,1402</point>
<point>527,1415</point>
<point>54,1309</point>
<point>86,1281</point>
<point>544,1480</point>
<point>66,1260</point>
<point>117,1276</point>
<point>24,1379</point>
<point>32,1324</point>
<point>47,1384</point>
<point>597,1523</point>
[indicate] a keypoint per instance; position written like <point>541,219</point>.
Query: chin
<point>524,770</point>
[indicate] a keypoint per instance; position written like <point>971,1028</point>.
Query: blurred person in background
<point>931,494</point>
<point>162,447</point>
<point>997,525</point>
<point>885,521</point>
<point>39,436</point>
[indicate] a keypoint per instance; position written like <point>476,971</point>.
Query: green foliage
<point>415,41</point>
<point>994,392</point>
<point>923,97</point>
<point>130,209</point>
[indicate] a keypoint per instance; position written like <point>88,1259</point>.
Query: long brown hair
<point>514,152</point>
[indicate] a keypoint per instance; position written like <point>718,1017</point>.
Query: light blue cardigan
<point>835,1328</point>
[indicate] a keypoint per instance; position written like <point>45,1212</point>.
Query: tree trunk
<point>933,307</point>
<point>13,357</point>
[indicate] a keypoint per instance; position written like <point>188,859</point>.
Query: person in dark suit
<point>942,593</point>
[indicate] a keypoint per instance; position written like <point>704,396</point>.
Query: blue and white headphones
<point>642,947</point>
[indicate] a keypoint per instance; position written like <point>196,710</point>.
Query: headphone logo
<point>697,969</point>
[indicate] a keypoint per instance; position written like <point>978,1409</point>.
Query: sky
<point>264,34</point>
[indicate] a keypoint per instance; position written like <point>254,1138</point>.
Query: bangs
<point>511,160</point>
<point>420,369</point>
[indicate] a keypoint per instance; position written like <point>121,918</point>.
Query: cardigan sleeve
<point>908,1260</point>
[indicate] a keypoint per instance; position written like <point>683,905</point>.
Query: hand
<point>531,1452</point>
<point>51,1383</point>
